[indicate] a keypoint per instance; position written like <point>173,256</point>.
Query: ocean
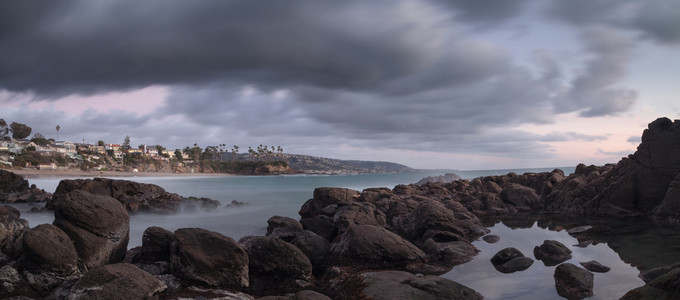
<point>266,196</point>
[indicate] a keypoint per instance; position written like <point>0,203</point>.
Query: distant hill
<point>313,164</point>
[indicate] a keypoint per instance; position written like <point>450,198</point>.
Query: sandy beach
<point>32,173</point>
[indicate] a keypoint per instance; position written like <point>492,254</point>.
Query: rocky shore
<point>378,243</point>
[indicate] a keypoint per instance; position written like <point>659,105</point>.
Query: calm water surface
<point>638,247</point>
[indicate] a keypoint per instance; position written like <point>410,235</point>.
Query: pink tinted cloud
<point>141,101</point>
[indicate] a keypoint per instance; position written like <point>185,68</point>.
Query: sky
<point>427,83</point>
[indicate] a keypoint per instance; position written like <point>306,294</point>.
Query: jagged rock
<point>663,286</point>
<point>276,267</point>
<point>47,249</point>
<point>357,213</point>
<point>389,285</point>
<point>208,258</point>
<point>595,266</point>
<point>156,244</point>
<point>573,282</point>
<point>519,195</point>
<point>12,229</point>
<point>326,196</point>
<point>116,281</point>
<point>370,247</point>
<point>315,247</point>
<point>14,189</point>
<point>98,225</point>
<point>133,195</point>
<point>552,252</point>
<point>12,183</point>
<point>279,221</point>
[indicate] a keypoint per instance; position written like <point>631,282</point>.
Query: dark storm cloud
<point>654,19</point>
<point>485,13</point>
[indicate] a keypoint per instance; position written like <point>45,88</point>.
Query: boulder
<point>315,247</point>
<point>47,249</point>
<point>519,195</point>
<point>12,183</point>
<point>98,225</point>
<point>12,229</point>
<point>505,255</point>
<point>358,213</point>
<point>207,258</point>
<point>279,221</point>
<point>573,282</point>
<point>595,266</point>
<point>656,272</point>
<point>552,252</point>
<point>448,177</point>
<point>133,195</point>
<point>276,267</point>
<point>389,285</point>
<point>510,260</point>
<point>116,281</point>
<point>371,247</point>
<point>515,265</point>
<point>15,189</point>
<point>326,196</point>
<point>664,286</point>
<point>322,225</point>
<point>156,244</point>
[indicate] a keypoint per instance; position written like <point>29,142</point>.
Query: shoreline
<point>32,173</point>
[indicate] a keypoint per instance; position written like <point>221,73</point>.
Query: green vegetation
<point>19,131</point>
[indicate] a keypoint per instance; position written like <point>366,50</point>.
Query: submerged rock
<point>510,260</point>
<point>491,238</point>
<point>573,282</point>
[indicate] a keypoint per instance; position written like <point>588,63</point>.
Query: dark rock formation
<point>301,295</point>
<point>156,244</point>
<point>389,285</point>
<point>656,272</point>
<point>98,225</point>
<point>276,267</point>
<point>664,286</point>
<point>595,266</point>
<point>133,195</point>
<point>370,247</point>
<point>448,177</point>
<point>573,282</point>
<point>315,247</point>
<point>12,229</point>
<point>552,252</point>
<point>207,258</point>
<point>14,188</point>
<point>279,221</point>
<point>116,281</point>
<point>47,249</point>
<point>510,260</point>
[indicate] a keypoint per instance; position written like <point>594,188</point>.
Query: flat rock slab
<point>595,266</point>
<point>491,238</point>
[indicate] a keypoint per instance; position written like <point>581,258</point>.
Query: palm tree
<point>58,128</point>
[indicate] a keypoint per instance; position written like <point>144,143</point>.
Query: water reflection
<point>627,247</point>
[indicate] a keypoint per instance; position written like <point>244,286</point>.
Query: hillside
<point>313,164</point>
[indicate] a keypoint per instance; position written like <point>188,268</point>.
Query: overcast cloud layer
<point>434,76</point>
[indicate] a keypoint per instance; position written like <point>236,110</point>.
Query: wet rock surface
<point>133,195</point>
<point>15,189</point>
<point>98,225</point>
<point>551,252</point>
<point>573,282</point>
<point>510,260</point>
<point>595,266</point>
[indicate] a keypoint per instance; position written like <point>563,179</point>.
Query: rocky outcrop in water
<point>15,189</point>
<point>573,282</point>
<point>448,177</point>
<point>133,195</point>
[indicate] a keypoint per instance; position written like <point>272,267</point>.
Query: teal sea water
<point>266,196</point>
